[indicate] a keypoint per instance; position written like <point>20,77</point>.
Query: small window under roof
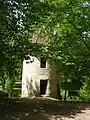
<point>43,63</point>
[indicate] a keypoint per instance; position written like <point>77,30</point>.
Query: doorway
<point>43,86</point>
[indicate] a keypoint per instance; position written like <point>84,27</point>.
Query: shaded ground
<point>43,109</point>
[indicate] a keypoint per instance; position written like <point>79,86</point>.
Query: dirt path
<point>85,115</point>
<point>43,109</point>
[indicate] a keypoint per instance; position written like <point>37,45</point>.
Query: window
<point>42,63</point>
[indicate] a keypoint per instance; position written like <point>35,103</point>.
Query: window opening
<point>42,63</point>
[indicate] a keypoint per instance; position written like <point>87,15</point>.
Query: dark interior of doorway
<point>43,86</point>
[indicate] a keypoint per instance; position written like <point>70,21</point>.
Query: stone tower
<point>39,77</point>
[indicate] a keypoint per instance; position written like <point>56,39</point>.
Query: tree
<point>69,33</point>
<point>65,23</point>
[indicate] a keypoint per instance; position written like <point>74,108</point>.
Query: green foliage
<point>3,94</point>
<point>85,91</point>
<point>2,83</point>
<point>10,82</point>
<point>65,25</point>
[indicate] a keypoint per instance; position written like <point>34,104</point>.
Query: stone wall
<point>32,74</point>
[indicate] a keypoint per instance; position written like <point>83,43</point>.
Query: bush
<point>3,94</point>
<point>85,91</point>
<point>9,85</point>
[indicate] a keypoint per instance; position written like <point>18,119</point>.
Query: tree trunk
<point>65,95</point>
<point>58,92</point>
<point>9,95</point>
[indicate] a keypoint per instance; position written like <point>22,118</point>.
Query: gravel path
<point>43,109</point>
<point>85,115</point>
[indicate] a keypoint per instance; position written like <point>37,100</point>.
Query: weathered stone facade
<point>33,76</point>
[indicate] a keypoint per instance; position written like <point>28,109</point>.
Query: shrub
<point>9,85</point>
<point>85,91</point>
<point>3,94</point>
